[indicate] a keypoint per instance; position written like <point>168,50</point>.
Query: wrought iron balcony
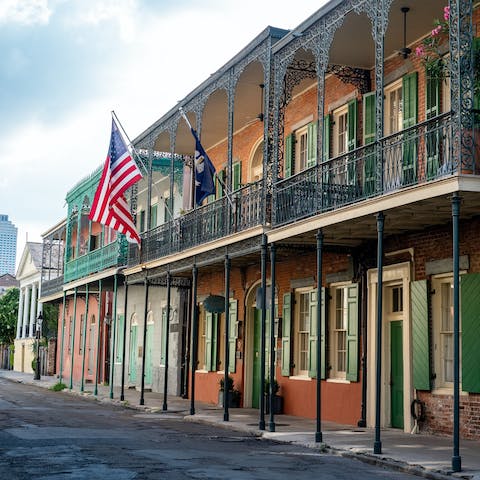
<point>416,155</point>
<point>51,286</point>
<point>105,257</point>
<point>210,222</point>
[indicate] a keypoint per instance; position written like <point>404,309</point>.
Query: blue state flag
<point>204,172</point>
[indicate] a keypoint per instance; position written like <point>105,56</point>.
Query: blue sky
<point>66,64</point>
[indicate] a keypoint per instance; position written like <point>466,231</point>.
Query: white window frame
<point>301,149</point>
<point>301,334</point>
<point>333,331</point>
<point>390,111</point>
<point>340,118</point>
<point>439,331</point>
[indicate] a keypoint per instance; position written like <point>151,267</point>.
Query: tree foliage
<point>50,320</point>
<point>8,315</point>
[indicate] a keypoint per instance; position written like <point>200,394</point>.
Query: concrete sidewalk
<point>425,455</point>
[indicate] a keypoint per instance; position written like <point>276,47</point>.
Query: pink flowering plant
<point>429,50</point>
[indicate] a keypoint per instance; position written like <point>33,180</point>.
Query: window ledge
<point>300,377</point>
<point>338,380</point>
<point>201,371</point>
<point>447,391</point>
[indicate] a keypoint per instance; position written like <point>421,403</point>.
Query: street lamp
<point>39,329</point>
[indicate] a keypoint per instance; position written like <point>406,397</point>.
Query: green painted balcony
<point>111,255</point>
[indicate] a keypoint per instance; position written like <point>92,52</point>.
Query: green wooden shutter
<point>153,216</point>
<point>220,183</point>
<point>410,103</point>
<point>351,140</point>
<point>420,335</point>
<point>163,344</point>
<point>209,344</point>
<point>352,125</point>
<point>119,349</point>
<point>311,144</point>
<point>323,338</point>
<point>432,102</point>
<point>232,335</point>
<point>470,311</point>
<point>326,137</point>
<point>286,332</point>
<point>236,176</point>
<point>352,333</point>
<point>369,130</point>
<point>289,155</point>
<point>312,341</point>
<point>142,220</point>
<point>476,96</point>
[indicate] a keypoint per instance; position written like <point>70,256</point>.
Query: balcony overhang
<point>413,208</point>
<point>51,298</point>
<point>194,252</point>
<point>92,278</point>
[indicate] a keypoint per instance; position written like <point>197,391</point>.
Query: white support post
<point>20,314</point>
<point>25,311</point>
<point>33,310</point>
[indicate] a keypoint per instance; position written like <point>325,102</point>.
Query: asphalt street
<point>56,435</point>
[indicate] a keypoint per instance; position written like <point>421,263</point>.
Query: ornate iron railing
<point>52,286</point>
<point>105,257</point>
<point>416,155</point>
<point>210,222</point>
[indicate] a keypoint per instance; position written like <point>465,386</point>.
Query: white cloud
<point>25,12</point>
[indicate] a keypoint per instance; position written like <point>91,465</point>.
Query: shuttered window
<point>289,155</point>
<point>286,333</point>
<point>432,140</point>
<point>369,130</point>
<point>410,101</point>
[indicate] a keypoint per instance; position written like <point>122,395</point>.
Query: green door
<point>148,354</point>
<point>257,330</point>
<point>133,354</point>
<point>396,378</point>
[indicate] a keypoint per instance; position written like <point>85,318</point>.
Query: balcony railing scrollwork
<point>416,155</point>
<point>207,223</point>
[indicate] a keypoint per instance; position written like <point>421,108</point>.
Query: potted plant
<point>277,399</point>
<point>233,394</point>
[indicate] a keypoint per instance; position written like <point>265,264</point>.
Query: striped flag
<point>120,172</point>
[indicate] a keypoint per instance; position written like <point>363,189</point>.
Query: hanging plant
<point>435,63</point>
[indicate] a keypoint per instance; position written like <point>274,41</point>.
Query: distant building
<point>7,281</point>
<point>8,245</point>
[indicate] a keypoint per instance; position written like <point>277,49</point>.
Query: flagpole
<point>222,183</point>
<point>139,158</point>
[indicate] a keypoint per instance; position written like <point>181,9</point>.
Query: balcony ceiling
<point>352,45</point>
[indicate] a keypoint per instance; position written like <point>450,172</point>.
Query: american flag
<point>120,172</point>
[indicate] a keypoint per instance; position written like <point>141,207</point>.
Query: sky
<point>66,64</point>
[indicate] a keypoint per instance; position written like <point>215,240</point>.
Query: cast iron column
<point>167,341</point>
<point>62,339</point>
<point>377,446</point>
<point>99,323</point>
<point>318,431</point>
<point>72,333</point>
<point>142,388</point>
<point>122,390</point>
<point>456,458</point>
<point>227,346</point>
<point>113,332</point>
<point>261,423</point>
<point>84,339</point>
<point>271,425</point>
<point>194,337</point>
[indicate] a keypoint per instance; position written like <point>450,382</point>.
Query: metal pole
<point>37,360</point>
<point>113,333</point>
<point>377,446</point>
<point>142,388</point>
<point>167,333</point>
<point>84,340</point>
<point>62,339</point>
<point>318,431</point>
<point>456,458</point>
<point>227,330</point>
<point>72,333</point>
<point>263,256</point>
<point>194,337</point>
<point>122,390</point>
<point>97,366</point>
<point>273,251</point>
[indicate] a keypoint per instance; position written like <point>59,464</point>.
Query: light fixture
<point>405,51</point>
<point>260,115</point>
